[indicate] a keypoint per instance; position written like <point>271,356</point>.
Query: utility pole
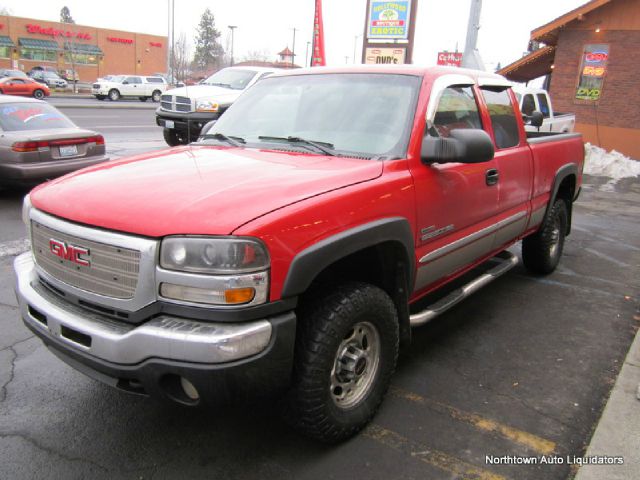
<point>306,55</point>
<point>169,49</point>
<point>471,56</point>
<point>293,48</point>
<point>232,28</point>
<point>355,47</point>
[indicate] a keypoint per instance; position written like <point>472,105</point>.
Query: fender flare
<point>562,173</point>
<point>308,263</point>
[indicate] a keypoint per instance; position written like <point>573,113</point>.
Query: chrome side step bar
<point>506,261</point>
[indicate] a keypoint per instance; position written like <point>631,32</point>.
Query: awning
<point>83,48</point>
<point>534,65</point>
<point>37,43</point>
<point>6,41</point>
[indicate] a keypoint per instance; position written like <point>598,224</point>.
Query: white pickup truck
<point>537,99</point>
<point>140,86</point>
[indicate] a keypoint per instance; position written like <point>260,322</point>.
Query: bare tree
<point>182,58</point>
<point>69,47</point>
<point>257,56</point>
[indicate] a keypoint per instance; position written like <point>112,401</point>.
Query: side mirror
<point>535,119</point>
<point>464,145</point>
<point>125,82</point>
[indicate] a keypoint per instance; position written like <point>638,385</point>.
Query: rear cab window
<point>544,105</point>
<point>155,80</point>
<point>503,116</point>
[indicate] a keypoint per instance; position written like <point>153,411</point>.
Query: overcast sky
<point>268,25</point>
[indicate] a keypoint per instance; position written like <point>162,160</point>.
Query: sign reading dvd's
<point>391,56</point>
<point>388,20</point>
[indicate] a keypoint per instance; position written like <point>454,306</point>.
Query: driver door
<point>456,202</point>
<point>131,87</point>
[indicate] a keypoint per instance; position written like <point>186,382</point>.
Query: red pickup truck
<point>292,249</point>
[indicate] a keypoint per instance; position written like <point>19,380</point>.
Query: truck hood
<point>195,190</point>
<point>218,94</point>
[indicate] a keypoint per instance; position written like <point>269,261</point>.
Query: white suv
<point>139,86</point>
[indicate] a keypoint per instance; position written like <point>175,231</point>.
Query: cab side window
<point>544,105</point>
<point>528,105</point>
<point>133,80</point>
<point>457,108</point>
<point>503,116</point>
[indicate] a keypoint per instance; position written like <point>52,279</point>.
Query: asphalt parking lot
<point>523,367</point>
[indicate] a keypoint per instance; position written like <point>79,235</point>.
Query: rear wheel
<point>39,94</point>
<point>155,96</point>
<point>541,251</point>
<point>346,351</point>
<point>114,95</point>
<point>174,138</point>
<point>142,99</point>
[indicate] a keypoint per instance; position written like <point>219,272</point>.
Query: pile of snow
<point>600,163</point>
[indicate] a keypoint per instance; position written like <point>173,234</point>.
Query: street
<point>523,367</point>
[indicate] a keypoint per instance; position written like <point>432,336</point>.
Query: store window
<point>39,54</point>
<point>81,58</point>
<point>593,68</point>
<point>503,116</point>
<point>5,52</point>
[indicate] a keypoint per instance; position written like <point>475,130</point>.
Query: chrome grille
<point>174,103</point>
<point>113,271</point>
<point>96,85</point>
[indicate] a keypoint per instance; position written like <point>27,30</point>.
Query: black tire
<point>173,138</point>
<point>114,95</point>
<point>101,97</point>
<point>156,95</point>
<point>143,99</point>
<point>325,327</point>
<point>39,94</point>
<point>541,251</point>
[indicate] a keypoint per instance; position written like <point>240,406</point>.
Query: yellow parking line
<point>540,445</point>
<point>427,455</point>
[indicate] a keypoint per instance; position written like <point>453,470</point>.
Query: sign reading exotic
<point>388,20</point>
<point>450,59</point>
<point>592,72</point>
<point>391,56</point>
<point>54,32</point>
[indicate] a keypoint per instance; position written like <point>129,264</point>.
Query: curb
<point>617,432</point>
<point>121,106</point>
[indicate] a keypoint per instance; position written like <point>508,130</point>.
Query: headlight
<point>206,105</point>
<point>213,255</point>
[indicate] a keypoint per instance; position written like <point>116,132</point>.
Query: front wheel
<point>346,351</point>
<point>173,138</point>
<point>155,96</point>
<point>39,94</point>
<point>541,251</point>
<point>114,95</point>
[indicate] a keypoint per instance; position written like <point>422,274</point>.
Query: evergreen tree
<point>65,15</point>
<point>208,52</point>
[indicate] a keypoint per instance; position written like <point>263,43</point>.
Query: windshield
<point>355,114</point>
<point>231,78</point>
<point>15,117</point>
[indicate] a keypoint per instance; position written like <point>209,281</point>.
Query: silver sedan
<point>38,143</point>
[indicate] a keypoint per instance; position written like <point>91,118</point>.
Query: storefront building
<point>592,58</point>
<point>95,52</point>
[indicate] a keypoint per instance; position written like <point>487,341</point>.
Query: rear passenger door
<point>514,163</point>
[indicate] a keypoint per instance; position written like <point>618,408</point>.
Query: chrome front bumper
<point>163,337</point>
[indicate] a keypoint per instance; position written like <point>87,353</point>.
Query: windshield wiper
<point>235,141</point>
<point>227,85</point>
<point>324,147</point>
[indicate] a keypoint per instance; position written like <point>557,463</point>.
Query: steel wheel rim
<point>356,365</point>
<point>39,94</point>
<point>554,246</point>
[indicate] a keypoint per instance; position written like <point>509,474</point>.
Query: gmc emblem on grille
<point>73,253</point>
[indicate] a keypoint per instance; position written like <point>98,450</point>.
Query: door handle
<point>492,176</point>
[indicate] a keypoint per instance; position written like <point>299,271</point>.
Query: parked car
<point>23,86</point>
<point>5,72</point>
<point>140,86</point>
<point>51,79</point>
<point>39,143</point>
<point>293,249</point>
<point>42,68</point>
<point>184,111</point>
<point>69,75</point>
<point>537,99</point>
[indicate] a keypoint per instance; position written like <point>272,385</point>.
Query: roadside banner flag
<point>317,57</point>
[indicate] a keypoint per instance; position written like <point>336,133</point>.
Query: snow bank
<point>600,163</point>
